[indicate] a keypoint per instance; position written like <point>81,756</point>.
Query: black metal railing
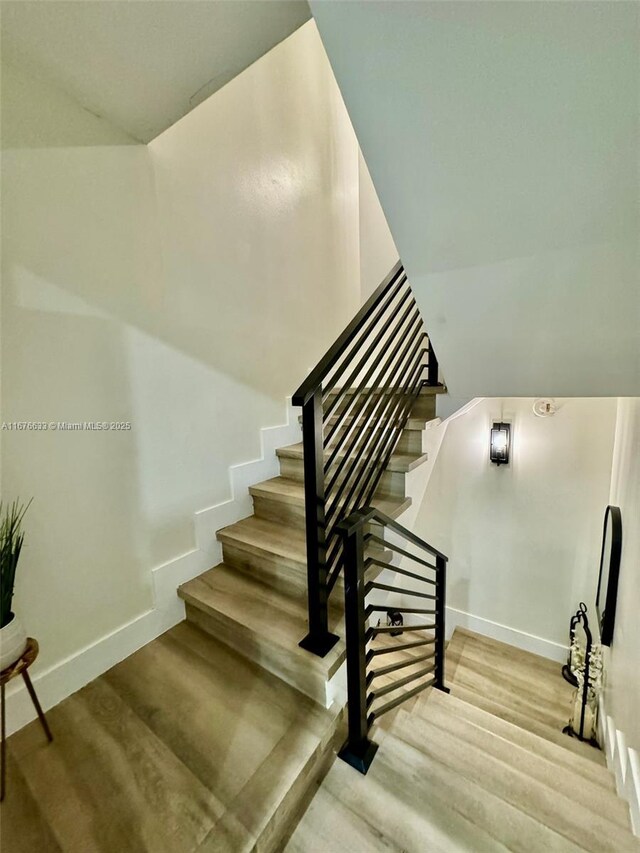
<point>414,649</point>
<point>355,405</point>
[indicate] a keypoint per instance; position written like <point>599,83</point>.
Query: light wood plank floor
<point>185,746</point>
<point>452,775</point>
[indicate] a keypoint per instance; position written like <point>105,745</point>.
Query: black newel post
<point>319,640</point>
<point>358,751</point>
<point>441,595</point>
<point>432,366</point>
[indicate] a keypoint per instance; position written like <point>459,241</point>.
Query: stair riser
<point>278,511</point>
<point>285,575</point>
<point>292,469</point>
<point>412,441</point>
<point>392,483</point>
<point>291,668</point>
<point>584,792</point>
<point>415,424</point>
<point>288,578</point>
<point>551,808</point>
<point>537,743</point>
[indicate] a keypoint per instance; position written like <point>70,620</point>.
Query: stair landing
<point>452,776</point>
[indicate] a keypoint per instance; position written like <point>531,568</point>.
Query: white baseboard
<point>623,762</point>
<point>64,678</point>
<point>520,639</point>
<point>67,676</point>
<point>213,518</point>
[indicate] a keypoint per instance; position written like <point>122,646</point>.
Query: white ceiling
<point>144,64</point>
<point>503,140</point>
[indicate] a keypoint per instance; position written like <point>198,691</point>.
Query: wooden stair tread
<point>562,758</point>
<point>267,538</point>
<point>400,462</point>
<point>425,391</point>
<point>444,712</point>
<point>512,653</point>
<point>410,802</point>
<point>291,492</point>
<point>415,422</point>
<point>524,681</point>
<point>278,619</point>
<point>591,831</point>
<point>526,722</point>
<point>514,685</point>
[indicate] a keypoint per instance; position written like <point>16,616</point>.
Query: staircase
<point>484,768</point>
<point>256,600</point>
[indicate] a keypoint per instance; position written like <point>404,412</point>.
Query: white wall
<point>622,695</point>
<point>522,540</point>
<point>502,139</point>
<point>378,252</point>
<point>80,269</point>
<point>185,288</point>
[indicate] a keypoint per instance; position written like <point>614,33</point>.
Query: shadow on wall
<point>151,285</point>
<point>223,238</point>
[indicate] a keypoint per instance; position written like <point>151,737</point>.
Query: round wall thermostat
<point>544,407</point>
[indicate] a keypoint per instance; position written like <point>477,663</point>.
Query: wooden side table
<point>20,667</point>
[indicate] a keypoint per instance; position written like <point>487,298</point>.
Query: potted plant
<point>13,639</point>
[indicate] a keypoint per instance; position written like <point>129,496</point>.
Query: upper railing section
<point>355,405</point>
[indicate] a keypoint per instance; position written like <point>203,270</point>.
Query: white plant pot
<point>13,642</point>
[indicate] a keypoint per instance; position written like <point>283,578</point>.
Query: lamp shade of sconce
<point>500,444</point>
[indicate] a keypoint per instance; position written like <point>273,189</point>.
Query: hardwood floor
<point>209,738</point>
<point>185,746</point>
<point>452,776</point>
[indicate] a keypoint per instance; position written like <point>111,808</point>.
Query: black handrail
<point>362,692</point>
<point>355,405</point>
<point>330,358</point>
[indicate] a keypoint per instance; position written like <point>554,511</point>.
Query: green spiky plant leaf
<point>11,539</point>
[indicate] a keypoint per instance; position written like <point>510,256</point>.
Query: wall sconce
<point>500,443</point>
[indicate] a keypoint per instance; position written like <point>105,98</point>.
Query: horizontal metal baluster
<point>412,308</point>
<point>385,670</point>
<point>385,587</point>
<point>385,650</point>
<point>387,410</point>
<point>401,682</point>
<point>404,572</point>
<point>341,366</point>
<point>389,366</point>
<point>409,318</point>
<point>406,629</point>
<point>390,608</point>
<point>397,417</point>
<point>319,375</point>
<point>398,700</point>
<point>379,444</point>
<point>365,424</point>
<point>334,574</point>
<point>359,409</point>
<point>406,400</point>
<point>370,514</point>
<point>391,547</point>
